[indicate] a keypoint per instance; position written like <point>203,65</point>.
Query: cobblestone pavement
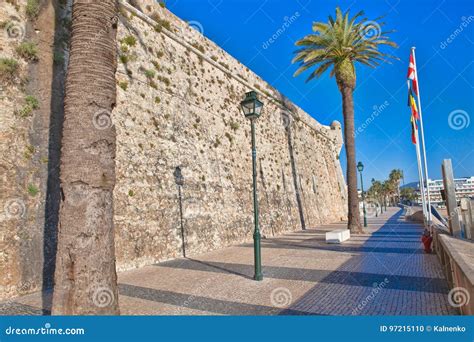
<point>382,272</point>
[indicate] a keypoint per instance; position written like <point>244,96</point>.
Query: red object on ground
<point>427,243</point>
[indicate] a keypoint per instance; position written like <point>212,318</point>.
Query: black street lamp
<point>179,180</point>
<point>178,176</point>
<point>252,109</point>
<point>360,167</point>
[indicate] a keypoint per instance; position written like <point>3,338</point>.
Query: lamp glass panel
<point>247,107</point>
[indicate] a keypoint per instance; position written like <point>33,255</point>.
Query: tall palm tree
<point>338,45</point>
<point>85,276</point>
<point>395,177</point>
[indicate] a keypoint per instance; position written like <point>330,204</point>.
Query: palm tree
<point>395,177</point>
<point>375,190</point>
<point>408,194</point>
<point>386,191</point>
<point>85,276</point>
<point>338,45</point>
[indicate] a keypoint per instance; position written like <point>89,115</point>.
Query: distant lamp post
<point>252,109</point>
<point>376,205</point>
<point>179,180</point>
<point>178,176</point>
<point>360,167</point>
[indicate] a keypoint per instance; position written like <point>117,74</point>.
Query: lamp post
<point>179,180</point>
<point>376,205</point>
<point>252,109</point>
<point>360,167</point>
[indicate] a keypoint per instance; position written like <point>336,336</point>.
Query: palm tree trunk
<point>85,277</point>
<point>351,172</point>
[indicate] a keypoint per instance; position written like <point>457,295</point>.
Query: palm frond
<point>321,69</point>
<point>343,38</point>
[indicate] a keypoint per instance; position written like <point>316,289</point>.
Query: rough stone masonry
<point>178,97</point>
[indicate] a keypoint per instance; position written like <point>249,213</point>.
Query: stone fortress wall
<point>178,97</point>
<point>180,107</point>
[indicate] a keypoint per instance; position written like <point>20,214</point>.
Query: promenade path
<point>382,272</point>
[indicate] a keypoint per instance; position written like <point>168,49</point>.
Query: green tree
<point>407,194</point>
<point>337,46</point>
<point>395,177</point>
<point>375,191</point>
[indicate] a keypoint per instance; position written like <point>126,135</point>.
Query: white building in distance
<point>464,188</point>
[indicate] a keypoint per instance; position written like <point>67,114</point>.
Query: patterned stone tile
<point>381,272</point>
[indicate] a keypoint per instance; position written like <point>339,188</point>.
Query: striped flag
<point>412,104</point>
<point>412,81</point>
<point>413,88</point>
<point>412,74</point>
<point>414,130</point>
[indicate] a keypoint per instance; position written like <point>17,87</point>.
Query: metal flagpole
<point>422,138</point>
<point>420,175</point>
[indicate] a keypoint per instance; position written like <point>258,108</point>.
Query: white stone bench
<point>338,236</point>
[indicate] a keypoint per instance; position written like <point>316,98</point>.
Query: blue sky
<point>445,72</point>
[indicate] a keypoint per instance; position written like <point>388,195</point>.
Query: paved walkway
<point>383,272</point>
